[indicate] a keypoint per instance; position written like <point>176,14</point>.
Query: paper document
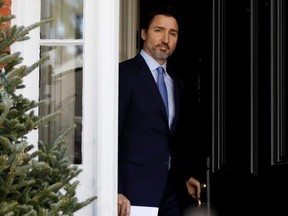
<point>143,211</point>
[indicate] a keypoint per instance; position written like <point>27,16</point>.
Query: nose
<point>165,38</point>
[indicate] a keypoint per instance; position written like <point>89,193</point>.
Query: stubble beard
<point>160,55</point>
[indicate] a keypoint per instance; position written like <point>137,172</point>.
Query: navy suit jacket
<point>144,135</point>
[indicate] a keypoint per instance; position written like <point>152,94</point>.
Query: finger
<point>198,191</point>
<point>127,210</point>
<point>122,211</point>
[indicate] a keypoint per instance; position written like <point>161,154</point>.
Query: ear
<point>143,34</point>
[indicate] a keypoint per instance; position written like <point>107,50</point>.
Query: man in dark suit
<point>150,169</point>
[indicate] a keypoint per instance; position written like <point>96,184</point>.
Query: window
<point>61,76</point>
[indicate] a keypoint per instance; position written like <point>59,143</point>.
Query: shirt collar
<point>151,62</point>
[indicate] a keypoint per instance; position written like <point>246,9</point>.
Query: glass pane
<point>68,19</point>
<point>61,88</point>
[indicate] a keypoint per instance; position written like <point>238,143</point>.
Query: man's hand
<point>124,206</point>
<point>194,188</point>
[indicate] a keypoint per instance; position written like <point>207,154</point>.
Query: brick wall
<point>6,9</point>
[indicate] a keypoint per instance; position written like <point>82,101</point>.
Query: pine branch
<point>17,34</point>
<point>35,65</point>
<point>46,119</point>
<point>6,59</point>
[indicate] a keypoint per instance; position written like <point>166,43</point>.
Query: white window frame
<point>100,96</point>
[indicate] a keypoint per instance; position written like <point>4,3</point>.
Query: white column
<point>100,106</point>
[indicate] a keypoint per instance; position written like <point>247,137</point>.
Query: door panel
<point>234,87</point>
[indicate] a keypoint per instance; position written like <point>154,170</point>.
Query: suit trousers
<point>170,204</point>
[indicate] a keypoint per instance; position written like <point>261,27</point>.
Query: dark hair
<point>158,9</point>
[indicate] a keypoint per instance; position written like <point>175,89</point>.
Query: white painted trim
<point>101,31</point>
<point>29,49</point>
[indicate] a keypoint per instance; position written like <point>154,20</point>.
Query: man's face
<point>160,38</point>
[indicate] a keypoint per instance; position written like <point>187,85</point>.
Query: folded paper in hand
<point>143,211</point>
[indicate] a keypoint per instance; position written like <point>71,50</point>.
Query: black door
<point>233,56</point>
<point>249,160</point>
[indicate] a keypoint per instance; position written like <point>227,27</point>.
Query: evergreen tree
<point>33,181</point>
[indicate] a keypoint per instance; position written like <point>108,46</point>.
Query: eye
<point>174,34</point>
<point>157,30</point>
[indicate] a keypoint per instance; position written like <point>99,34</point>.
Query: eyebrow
<point>161,27</point>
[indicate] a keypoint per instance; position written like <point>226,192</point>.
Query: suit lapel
<point>151,84</point>
<point>176,102</point>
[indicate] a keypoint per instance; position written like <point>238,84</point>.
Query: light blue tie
<point>162,88</point>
